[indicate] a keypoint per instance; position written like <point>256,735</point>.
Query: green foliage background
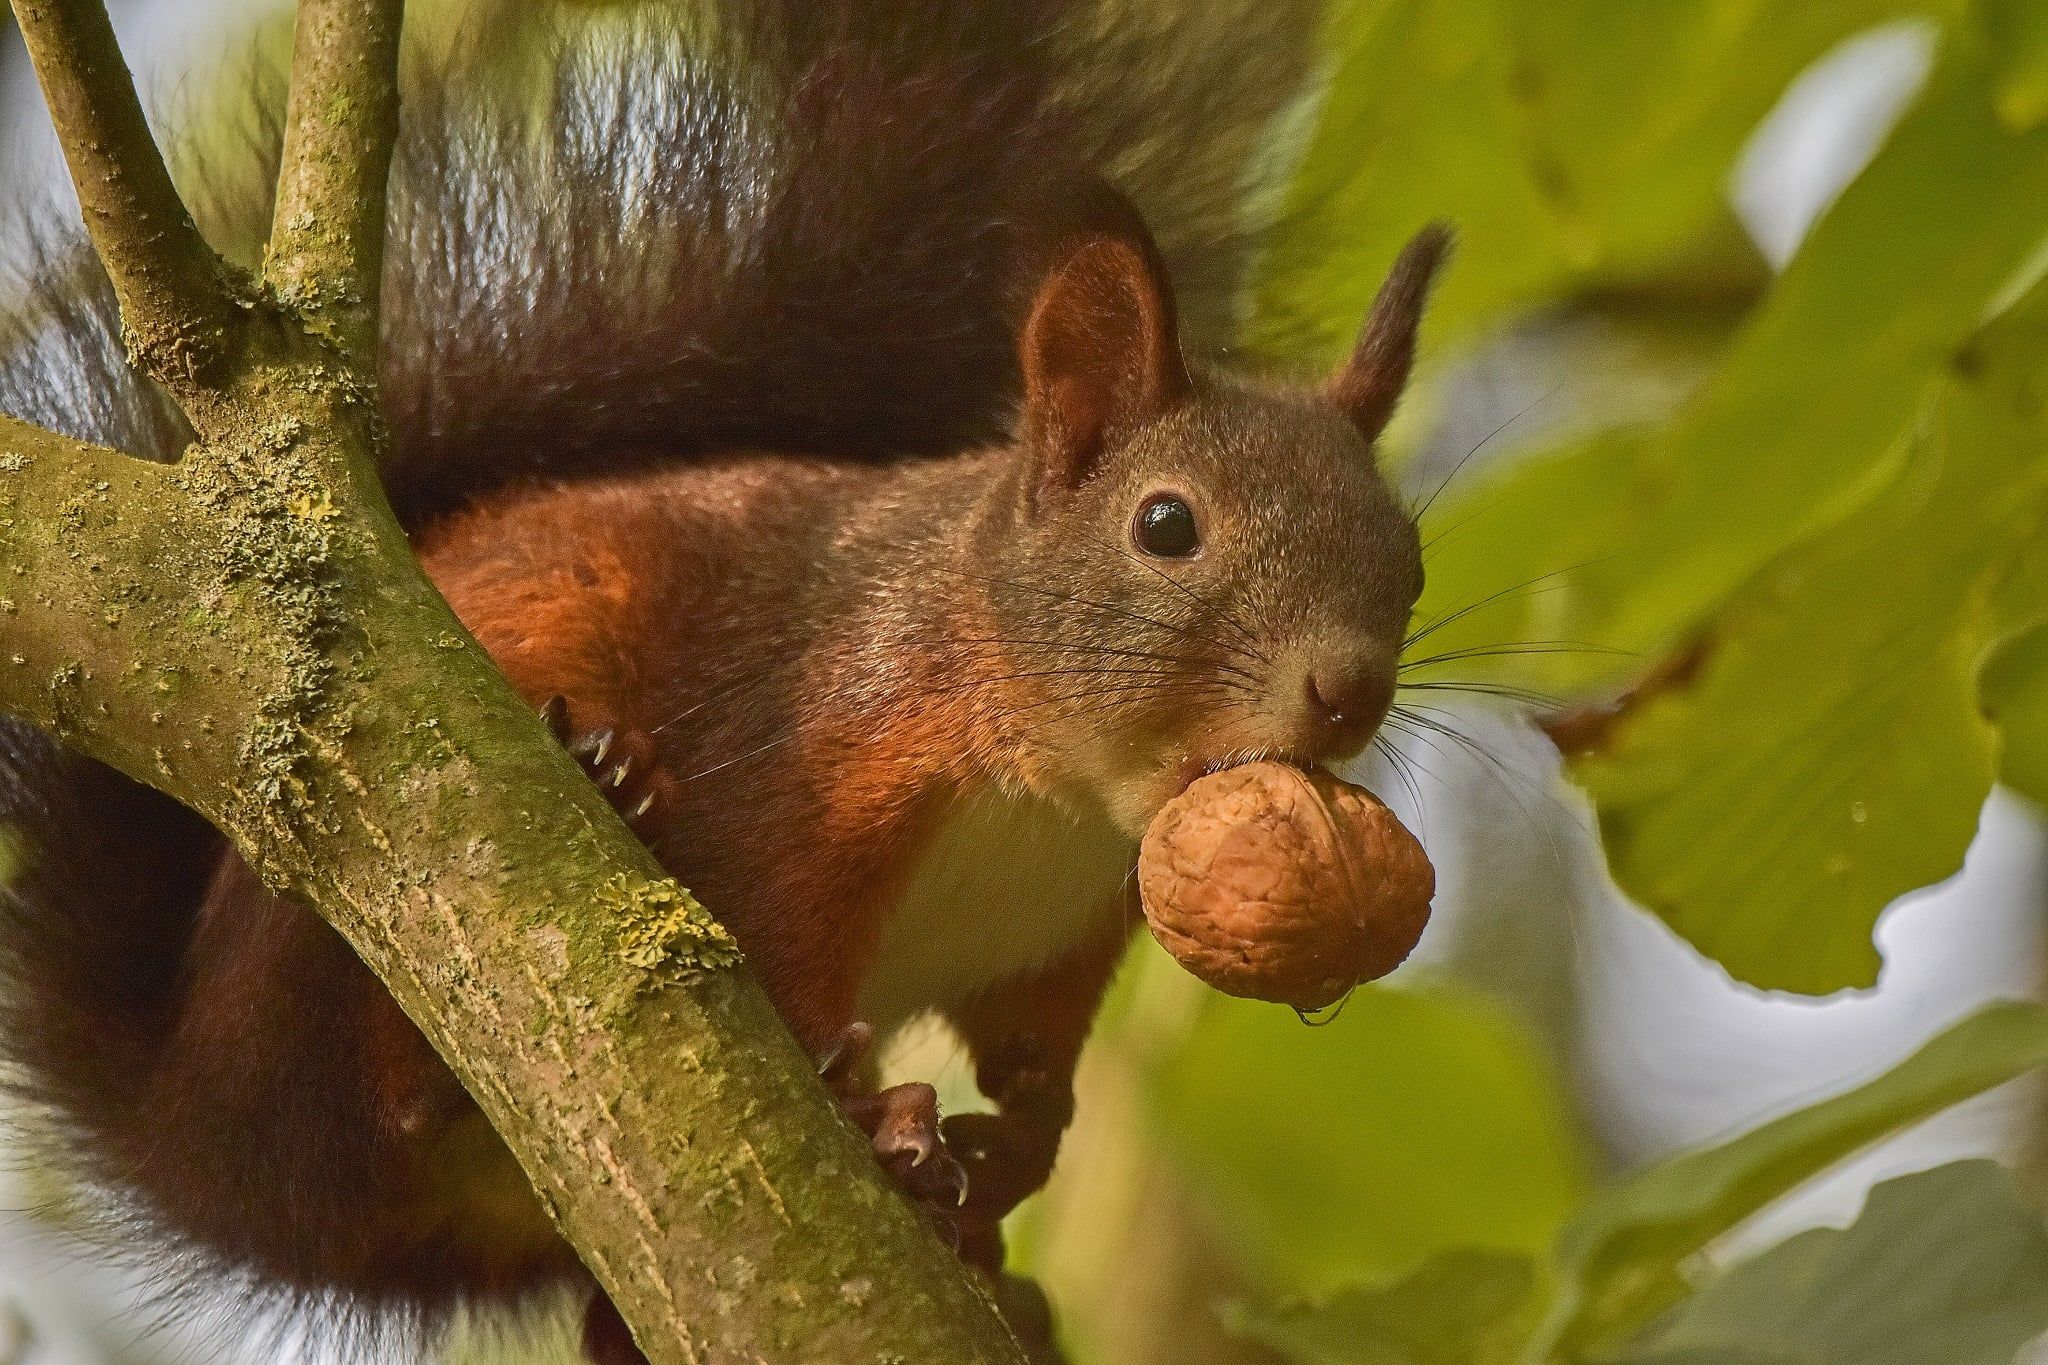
<point>1844,517</point>
<point>1821,562</point>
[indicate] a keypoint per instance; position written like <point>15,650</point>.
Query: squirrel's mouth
<point>1194,768</point>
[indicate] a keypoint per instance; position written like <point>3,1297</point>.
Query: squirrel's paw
<point>1008,1157</point>
<point>620,762</point>
<point>903,1124</point>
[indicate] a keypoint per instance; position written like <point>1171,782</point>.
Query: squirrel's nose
<point>1347,700</point>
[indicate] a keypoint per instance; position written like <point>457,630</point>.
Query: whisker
<point>1526,409</point>
<point>972,683</point>
<point>729,690</point>
<point>1501,772</point>
<point>1177,661</point>
<point>1109,607</point>
<point>1541,582</point>
<point>1405,725</point>
<point>1436,540</point>
<point>1165,683</point>
<point>1250,642</point>
<point>1526,696</point>
<point>1514,648</point>
<point>1104,698</point>
<point>949,641</point>
<point>1131,907</point>
<point>1459,737</point>
<point>1398,764</point>
<point>721,766</point>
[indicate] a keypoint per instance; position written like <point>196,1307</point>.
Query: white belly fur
<point>1006,883</point>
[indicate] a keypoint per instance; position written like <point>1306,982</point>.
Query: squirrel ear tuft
<point>1100,352</point>
<point>1369,385</point>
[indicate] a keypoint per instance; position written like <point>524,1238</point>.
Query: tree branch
<point>248,631</point>
<point>327,233</point>
<point>178,303</point>
<point>22,441</point>
<point>212,628</point>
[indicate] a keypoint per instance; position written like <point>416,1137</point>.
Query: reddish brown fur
<point>825,658</point>
<point>767,671</point>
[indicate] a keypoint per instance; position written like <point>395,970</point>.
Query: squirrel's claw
<point>620,762</point>
<point>554,713</point>
<point>903,1124</point>
<point>843,1056</point>
<point>594,747</point>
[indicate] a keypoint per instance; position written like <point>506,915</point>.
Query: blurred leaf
<point>1619,1259</point>
<point>2019,38</point>
<point>1464,1307</point>
<point>1636,114</point>
<point>1415,125</point>
<point>1647,531</point>
<point>1418,1121</point>
<point>2016,700</point>
<point>1946,1267</point>
<point>1832,754</point>
<point>1571,141</point>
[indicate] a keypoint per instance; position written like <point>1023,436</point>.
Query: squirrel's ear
<point>1100,352</point>
<point>1370,383</point>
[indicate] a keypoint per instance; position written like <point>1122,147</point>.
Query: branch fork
<point>248,631</point>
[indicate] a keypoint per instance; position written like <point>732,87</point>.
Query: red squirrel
<point>898,721</point>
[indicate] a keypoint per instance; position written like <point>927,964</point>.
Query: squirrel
<point>870,533</point>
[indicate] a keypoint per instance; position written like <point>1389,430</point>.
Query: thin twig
<point>327,235</point>
<point>178,304</point>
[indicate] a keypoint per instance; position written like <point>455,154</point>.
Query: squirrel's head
<point>1201,570</point>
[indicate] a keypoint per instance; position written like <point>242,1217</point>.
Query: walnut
<point>1283,885</point>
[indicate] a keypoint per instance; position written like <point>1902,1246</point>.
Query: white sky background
<point>1669,1051</point>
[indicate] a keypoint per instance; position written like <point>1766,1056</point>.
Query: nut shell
<point>1278,884</point>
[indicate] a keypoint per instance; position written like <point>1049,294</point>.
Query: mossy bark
<point>248,631</point>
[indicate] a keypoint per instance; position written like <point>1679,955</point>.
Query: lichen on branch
<point>248,631</point>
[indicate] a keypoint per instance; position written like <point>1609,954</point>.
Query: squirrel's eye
<point>1166,527</point>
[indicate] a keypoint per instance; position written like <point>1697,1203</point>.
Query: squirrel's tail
<point>627,232</point>
<point>1188,107</point>
<point>621,232</point>
<point>99,878</point>
<point>630,230</point>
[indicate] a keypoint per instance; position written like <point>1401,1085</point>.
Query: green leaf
<point>2019,37</point>
<point>1945,1267</point>
<point>1636,114</point>
<point>1832,753</point>
<point>1649,531</point>
<point>1619,1260</point>
<point>1571,141</point>
<point>1418,1121</point>
<point>2016,700</point>
<point>1415,125</point>
<point>1464,1307</point>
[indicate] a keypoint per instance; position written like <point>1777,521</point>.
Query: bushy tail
<point>101,878</point>
<point>622,233</point>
